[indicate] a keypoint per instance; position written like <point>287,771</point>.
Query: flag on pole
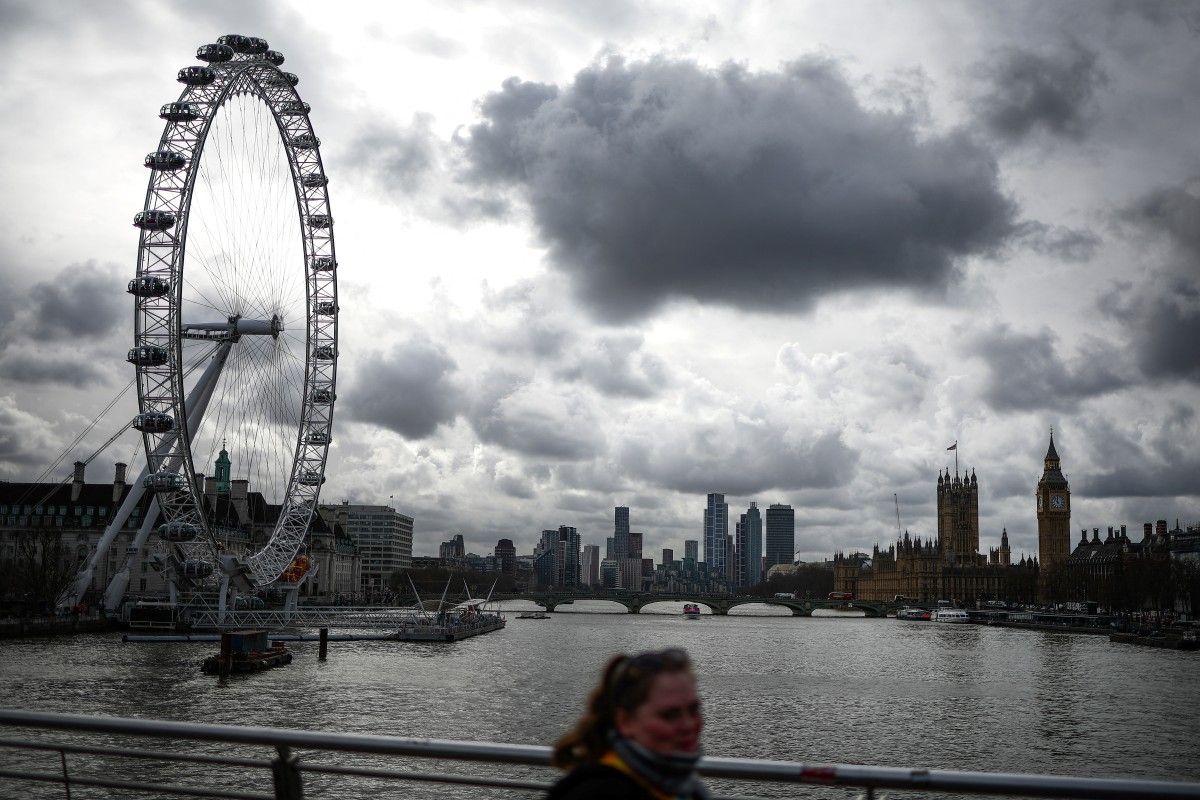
<point>953,446</point>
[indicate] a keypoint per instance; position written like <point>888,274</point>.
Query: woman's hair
<point>624,684</point>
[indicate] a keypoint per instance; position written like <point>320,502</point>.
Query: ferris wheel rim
<point>158,323</point>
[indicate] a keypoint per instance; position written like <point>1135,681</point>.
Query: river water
<point>838,688</point>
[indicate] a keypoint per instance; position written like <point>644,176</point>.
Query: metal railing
<point>235,776</point>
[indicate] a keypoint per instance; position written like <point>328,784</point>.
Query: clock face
<point>1057,501</point>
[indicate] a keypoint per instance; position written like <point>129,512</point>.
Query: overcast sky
<point>615,253</point>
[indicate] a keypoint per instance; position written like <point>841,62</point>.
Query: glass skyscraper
<point>716,531</point>
<point>781,535</point>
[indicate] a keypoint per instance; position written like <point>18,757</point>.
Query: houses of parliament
<point>950,566</point>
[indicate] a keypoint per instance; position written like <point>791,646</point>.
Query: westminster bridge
<point>719,604</point>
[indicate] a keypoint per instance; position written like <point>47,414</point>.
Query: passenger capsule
<point>179,112</point>
<point>214,53</point>
<point>164,482</point>
<point>239,43</point>
<point>314,180</point>
<point>317,220</point>
<point>179,531</point>
<point>165,161</point>
<point>324,353</point>
<point>322,397</point>
<point>324,264</point>
<point>274,56</point>
<point>310,477</point>
<point>195,568</point>
<point>326,308</point>
<point>196,76</point>
<point>294,108</point>
<point>148,355</point>
<point>285,79</point>
<point>151,220</point>
<point>154,422</point>
<point>304,141</point>
<point>318,437</point>
<point>149,287</point>
<point>256,46</point>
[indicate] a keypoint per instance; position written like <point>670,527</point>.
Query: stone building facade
<point>78,513</point>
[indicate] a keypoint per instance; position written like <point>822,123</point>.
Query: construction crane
<point>897,502</point>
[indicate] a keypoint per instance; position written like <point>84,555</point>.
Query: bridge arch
<point>788,609</point>
<point>676,606</point>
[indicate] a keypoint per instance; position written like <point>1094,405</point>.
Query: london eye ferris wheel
<point>235,308</point>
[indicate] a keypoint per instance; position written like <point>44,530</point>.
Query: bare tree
<point>41,570</point>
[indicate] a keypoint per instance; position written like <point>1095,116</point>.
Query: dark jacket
<point>597,782</point>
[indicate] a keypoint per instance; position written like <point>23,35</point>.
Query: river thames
<point>826,689</point>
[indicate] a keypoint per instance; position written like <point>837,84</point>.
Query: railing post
<point>62,754</point>
<point>285,769</point>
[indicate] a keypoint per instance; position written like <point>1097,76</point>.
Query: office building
<point>382,535</point>
<point>635,545</point>
<point>569,545</point>
<point>716,532</point>
<point>546,560</point>
<point>609,573</point>
<point>749,547</point>
<point>590,565</point>
<point>781,535</point>
<point>621,532</point>
<point>506,557</point>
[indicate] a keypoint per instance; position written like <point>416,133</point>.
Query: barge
<point>246,651</point>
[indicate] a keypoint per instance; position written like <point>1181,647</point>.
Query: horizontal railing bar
<point>135,786</point>
<point>1026,785</point>
<point>425,777</point>
<point>350,742</point>
<point>993,783</point>
<point>158,755</point>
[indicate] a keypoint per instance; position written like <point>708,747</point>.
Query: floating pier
<point>246,651</point>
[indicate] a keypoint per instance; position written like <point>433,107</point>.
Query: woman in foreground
<point>639,737</point>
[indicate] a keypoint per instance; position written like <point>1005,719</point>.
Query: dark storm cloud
<point>1026,372</point>
<point>1029,92</point>
<point>535,420</point>
<point>396,158</point>
<point>1163,324</point>
<point>25,439</point>
<point>1162,314</point>
<point>661,179</point>
<point>409,390</point>
<point>42,368</point>
<point>616,366</point>
<point>1175,211</point>
<point>83,301</point>
<point>1164,463</point>
<point>743,458</point>
<point>1056,241</point>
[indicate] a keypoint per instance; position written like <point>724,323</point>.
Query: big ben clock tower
<point>1053,512</point>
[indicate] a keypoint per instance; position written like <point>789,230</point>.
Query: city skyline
<point>888,227</point>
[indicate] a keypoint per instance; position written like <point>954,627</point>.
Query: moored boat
<point>916,614</point>
<point>950,615</point>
